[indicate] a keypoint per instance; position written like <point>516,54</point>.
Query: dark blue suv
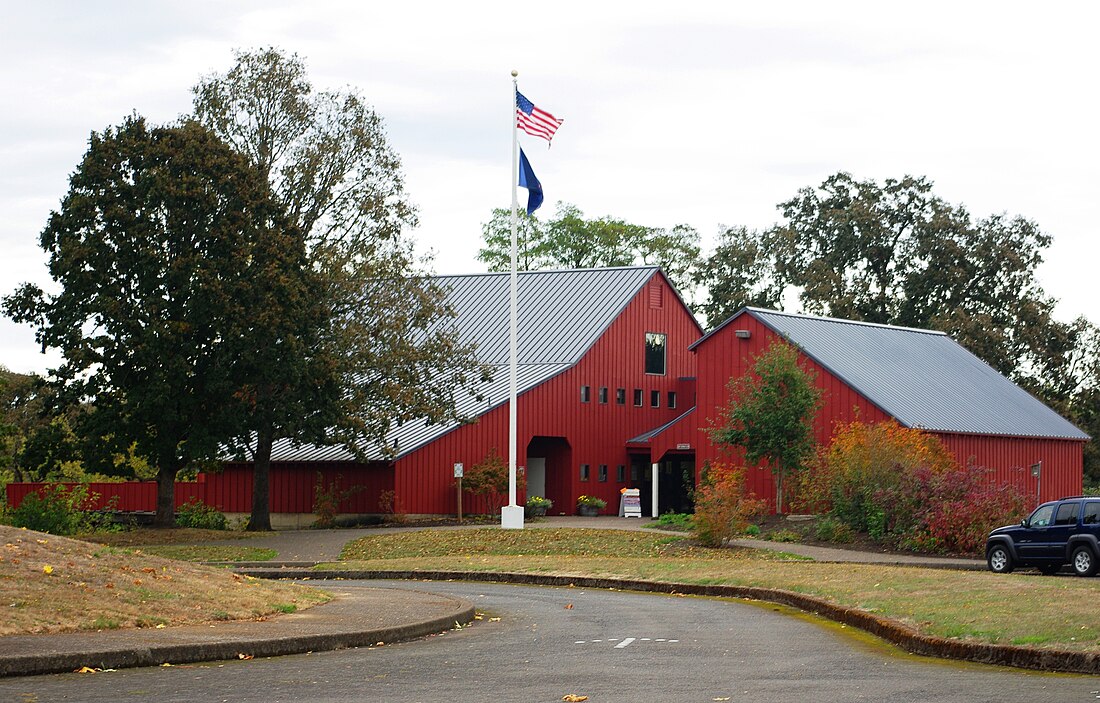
<point>1065,531</point>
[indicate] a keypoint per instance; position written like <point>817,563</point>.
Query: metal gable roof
<point>923,378</point>
<point>561,315</point>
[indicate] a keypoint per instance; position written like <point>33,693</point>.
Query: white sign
<point>458,470</point>
<point>630,503</point>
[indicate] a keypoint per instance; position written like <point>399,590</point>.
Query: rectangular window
<point>602,476</point>
<point>1067,514</point>
<point>655,353</point>
<point>655,398</point>
<point>672,399</point>
<point>1092,513</point>
<point>620,473</point>
<point>635,472</point>
<point>637,397</point>
<point>603,395</point>
<point>620,396</point>
<point>584,472</point>
<point>586,394</point>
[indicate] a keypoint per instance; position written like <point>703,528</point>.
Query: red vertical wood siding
<point>596,433</point>
<point>724,355</point>
<point>131,496</point>
<point>1010,460</point>
<point>293,486</point>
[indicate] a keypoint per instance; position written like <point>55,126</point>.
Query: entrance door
<point>536,476</point>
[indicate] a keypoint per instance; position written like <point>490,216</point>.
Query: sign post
<point>458,483</point>
<point>1037,472</point>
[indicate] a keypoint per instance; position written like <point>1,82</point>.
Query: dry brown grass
<point>56,584</point>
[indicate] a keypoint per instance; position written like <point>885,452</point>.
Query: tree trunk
<point>260,520</point>
<point>167,468</point>
<point>778,491</point>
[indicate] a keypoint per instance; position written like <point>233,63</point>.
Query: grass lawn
<point>210,552</point>
<point>1023,608</point>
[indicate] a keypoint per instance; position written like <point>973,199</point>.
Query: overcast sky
<point>707,114</point>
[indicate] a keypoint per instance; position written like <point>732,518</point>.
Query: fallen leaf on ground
<point>88,670</point>
<point>569,606</point>
<point>244,656</point>
<point>47,569</point>
<point>573,698</point>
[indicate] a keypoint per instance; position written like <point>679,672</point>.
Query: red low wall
<point>132,496</point>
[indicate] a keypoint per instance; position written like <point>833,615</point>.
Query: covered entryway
<point>662,466</point>
<point>548,462</point>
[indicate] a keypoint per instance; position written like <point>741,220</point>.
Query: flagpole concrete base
<point>511,517</point>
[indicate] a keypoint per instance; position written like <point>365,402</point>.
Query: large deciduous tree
<point>158,247</point>
<point>384,350</point>
<point>571,241</point>
<point>770,414</point>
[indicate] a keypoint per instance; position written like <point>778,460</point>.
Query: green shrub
<point>753,530</point>
<point>676,521</point>
<point>57,510</point>
<point>829,529</point>
<point>197,514</point>
<point>785,536</point>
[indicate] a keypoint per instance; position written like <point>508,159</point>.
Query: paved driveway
<point>609,646</point>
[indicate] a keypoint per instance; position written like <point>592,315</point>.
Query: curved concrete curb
<point>892,631</point>
<point>312,630</point>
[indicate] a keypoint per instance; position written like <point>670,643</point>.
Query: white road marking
<point>624,643</point>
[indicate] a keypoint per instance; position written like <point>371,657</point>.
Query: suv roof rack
<point>1072,497</point>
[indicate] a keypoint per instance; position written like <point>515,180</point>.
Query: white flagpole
<point>511,516</point>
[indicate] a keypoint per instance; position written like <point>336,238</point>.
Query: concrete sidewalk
<point>357,617</point>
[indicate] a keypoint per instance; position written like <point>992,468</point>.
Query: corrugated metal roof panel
<point>923,378</point>
<point>561,313</point>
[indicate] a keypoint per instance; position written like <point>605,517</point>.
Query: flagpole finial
<point>515,73</point>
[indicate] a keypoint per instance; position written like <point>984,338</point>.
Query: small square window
<point>584,472</point>
<point>603,395</point>
<point>586,394</point>
<point>637,397</point>
<point>602,476</point>
<point>672,399</point>
<point>655,398</point>
<point>620,473</point>
<point>620,396</point>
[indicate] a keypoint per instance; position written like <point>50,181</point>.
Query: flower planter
<point>588,510</point>
<point>536,511</point>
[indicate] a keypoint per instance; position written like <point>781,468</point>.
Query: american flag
<point>536,122</point>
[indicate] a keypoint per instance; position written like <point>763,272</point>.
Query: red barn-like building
<point>603,358</point>
<point>922,379</point>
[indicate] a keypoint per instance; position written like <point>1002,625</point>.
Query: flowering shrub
<point>722,510</point>
<point>902,487</point>
<point>591,501</point>
<point>540,502</point>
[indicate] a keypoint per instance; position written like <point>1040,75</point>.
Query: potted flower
<point>537,506</point>
<point>590,506</point>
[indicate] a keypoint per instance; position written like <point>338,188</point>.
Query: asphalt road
<point>609,646</point>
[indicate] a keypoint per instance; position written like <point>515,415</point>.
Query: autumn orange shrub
<point>722,509</point>
<point>901,486</point>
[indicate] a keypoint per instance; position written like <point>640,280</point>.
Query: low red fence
<point>132,496</point>
<point>293,488</point>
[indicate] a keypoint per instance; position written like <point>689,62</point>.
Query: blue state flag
<point>527,180</point>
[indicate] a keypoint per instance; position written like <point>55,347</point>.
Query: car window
<point>1092,513</point>
<point>1067,514</point>
<point>1041,517</point>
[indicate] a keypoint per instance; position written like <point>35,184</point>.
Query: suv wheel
<point>999,560</point>
<point>1084,561</point>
